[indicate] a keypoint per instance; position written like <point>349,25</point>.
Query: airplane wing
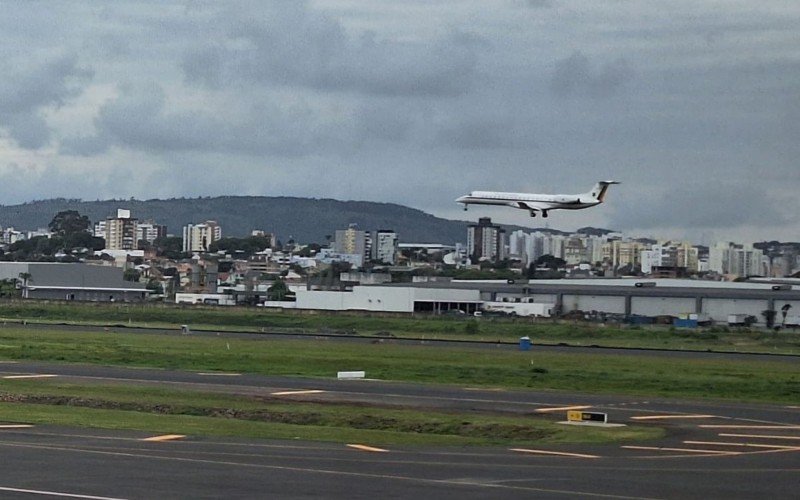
<point>535,205</point>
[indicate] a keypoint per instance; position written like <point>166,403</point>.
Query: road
<point>712,450</point>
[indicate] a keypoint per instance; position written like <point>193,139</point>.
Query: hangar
<point>714,299</point>
<point>625,297</point>
<point>58,281</point>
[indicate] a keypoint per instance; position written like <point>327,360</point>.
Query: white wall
<point>659,306</point>
<point>607,304</point>
<point>719,309</point>
<point>381,298</point>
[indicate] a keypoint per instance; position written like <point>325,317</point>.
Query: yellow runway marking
<point>690,450</point>
<point>665,417</point>
<point>748,445</point>
<point>363,447</point>
<point>165,437</point>
<point>489,389</point>
<point>762,436</point>
<point>556,453</point>
<point>562,408</point>
<point>29,376</point>
<point>787,427</point>
<point>15,426</point>
<point>291,393</point>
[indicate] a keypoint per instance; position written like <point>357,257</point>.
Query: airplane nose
<point>461,199</point>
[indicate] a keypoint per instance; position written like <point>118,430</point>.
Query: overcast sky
<point>694,105</point>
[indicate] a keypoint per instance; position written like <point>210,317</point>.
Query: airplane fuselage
<point>538,202</point>
<point>522,200</point>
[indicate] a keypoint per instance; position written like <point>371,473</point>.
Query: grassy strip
<point>131,407</point>
<point>485,329</point>
<point>777,381</point>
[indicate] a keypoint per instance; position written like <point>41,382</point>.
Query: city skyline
<point>695,109</point>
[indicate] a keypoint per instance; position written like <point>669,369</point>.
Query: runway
<point>713,449</point>
<point>107,464</point>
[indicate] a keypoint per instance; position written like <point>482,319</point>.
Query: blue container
<point>524,344</point>
<point>684,323</point>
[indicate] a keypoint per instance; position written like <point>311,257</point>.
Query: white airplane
<point>539,202</point>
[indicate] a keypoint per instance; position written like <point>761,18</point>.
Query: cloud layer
<point>697,110</point>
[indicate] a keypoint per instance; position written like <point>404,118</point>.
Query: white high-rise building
<point>384,246</point>
<point>740,260</point>
<point>199,237</point>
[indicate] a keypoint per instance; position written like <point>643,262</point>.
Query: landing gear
<point>465,207</point>
<point>544,213</point>
<point>533,213</point>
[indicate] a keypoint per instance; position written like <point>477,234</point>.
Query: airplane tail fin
<point>599,190</point>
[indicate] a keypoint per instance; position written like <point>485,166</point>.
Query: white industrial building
<point>382,298</point>
<point>624,297</point>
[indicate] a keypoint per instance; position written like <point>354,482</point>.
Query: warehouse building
<point>81,282</point>
<point>715,301</point>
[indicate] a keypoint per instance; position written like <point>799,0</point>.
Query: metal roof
<point>620,288</point>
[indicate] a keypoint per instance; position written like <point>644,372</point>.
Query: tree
<point>550,262</point>
<point>69,222</point>
<point>784,312</point>
<point>170,247</point>
<point>131,275</point>
<point>278,290</point>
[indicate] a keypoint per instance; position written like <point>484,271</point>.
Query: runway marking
<point>749,445</point>
<point>15,426</point>
<point>292,393</point>
<point>688,450</point>
<point>763,436</point>
<point>9,362</point>
<point>221,374</point>
<point>488,389</point>
<point>561,408</point>
<point>664,417</point>
<point>363,447</point>
<point>790,407</point>
<point>787,427</point>
<point>56,494</point>
<point>29,376</point>
<point>165,437</point>
<point>548,452</point>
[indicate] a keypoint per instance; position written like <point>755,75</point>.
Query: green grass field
<point>484,329</point>
<point>504,366</point>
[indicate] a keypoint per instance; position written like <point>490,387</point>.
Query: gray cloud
<point>414,103</point>
<point>718,204</point>
<point>575,75</point>
<point>142,118</point>
<point>293,45</point>
<point>28,89</point>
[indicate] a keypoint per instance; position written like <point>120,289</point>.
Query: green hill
<point>304,219</point>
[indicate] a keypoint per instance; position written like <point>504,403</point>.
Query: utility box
<point>525,343</point>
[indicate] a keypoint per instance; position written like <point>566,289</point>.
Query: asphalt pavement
<point>712,449</point>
